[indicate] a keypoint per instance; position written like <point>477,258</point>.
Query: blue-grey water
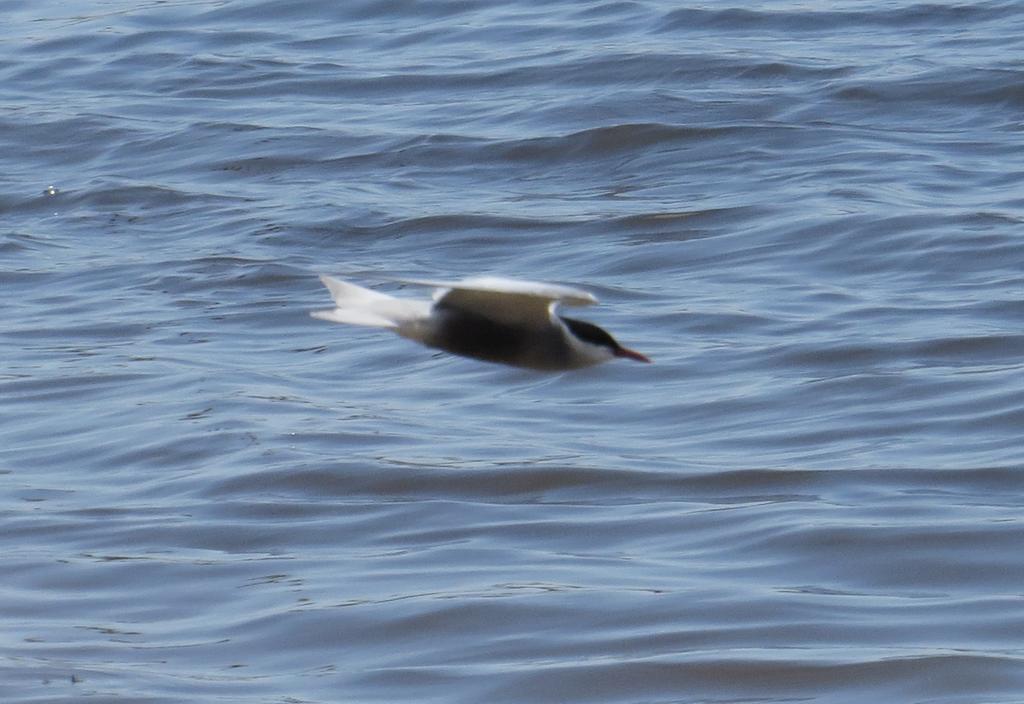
<point>811,215</point>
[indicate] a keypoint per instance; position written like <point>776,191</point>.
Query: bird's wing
<point>507,300</point>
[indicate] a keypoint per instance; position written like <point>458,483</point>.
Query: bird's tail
<point>356,305</point>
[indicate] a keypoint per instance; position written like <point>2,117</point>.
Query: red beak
<point>630,354</point>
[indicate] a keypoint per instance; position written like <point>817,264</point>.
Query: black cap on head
<point>588,332</point>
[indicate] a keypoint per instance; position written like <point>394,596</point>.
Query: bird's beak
<point>630,354</point>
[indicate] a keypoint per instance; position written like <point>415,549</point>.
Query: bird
<point>489,318</point>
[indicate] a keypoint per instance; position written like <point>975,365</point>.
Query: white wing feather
<point>501,285</point>
<point>507,301</point>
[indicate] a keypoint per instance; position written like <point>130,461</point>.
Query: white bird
<point>490,318</point>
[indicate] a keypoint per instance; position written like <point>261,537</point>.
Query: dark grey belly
<point>472,335</point>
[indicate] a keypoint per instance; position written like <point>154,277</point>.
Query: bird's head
<point>599,342</point>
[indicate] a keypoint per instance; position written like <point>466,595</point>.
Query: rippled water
<point>810,215</point>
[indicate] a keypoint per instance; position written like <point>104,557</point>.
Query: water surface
<point>809,216</point>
